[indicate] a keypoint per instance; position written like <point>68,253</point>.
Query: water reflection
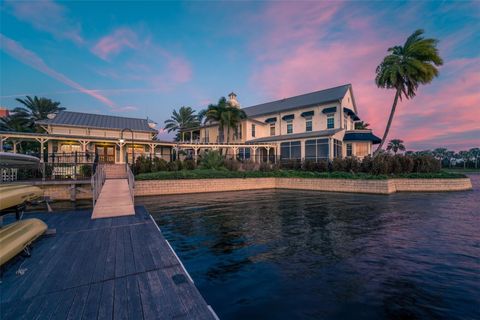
<point>284,254</point>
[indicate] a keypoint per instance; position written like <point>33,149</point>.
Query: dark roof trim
<point>308,113</point>
<point>271,120</point>
<point>288,117</point>
<point>351,114</point>
<point>330,110</point>
<point>361,136</point>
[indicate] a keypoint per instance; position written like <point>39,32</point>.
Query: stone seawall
<point>164,187</point>
<point>82,190</point>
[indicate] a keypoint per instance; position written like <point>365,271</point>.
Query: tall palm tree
<point>185,118</point>
<point>226,115</point>
<point>361,125</point>
<point>395,145</point>
<point>38,108</point>
<point>405,68</point>
<point>465,156</point>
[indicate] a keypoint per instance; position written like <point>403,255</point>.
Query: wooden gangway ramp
<point>115,200</point>
<point>113,268</point>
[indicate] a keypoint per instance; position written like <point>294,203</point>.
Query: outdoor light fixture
<point>122,140</point>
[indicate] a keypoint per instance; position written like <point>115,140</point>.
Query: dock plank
<point>113,268</point>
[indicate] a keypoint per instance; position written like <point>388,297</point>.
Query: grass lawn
<point>225,174</point>
<point>461,170</point>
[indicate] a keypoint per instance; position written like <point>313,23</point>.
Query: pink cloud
<point>47,16</point>
<point>147,62</point>
<point>28,57</point>
<point>302,56</point>
<point>115,42</point>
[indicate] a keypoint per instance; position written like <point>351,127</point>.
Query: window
<point>361,149</point>
<point>308,124</point>
<point>289,126</point>
<point>239,132</point>
<point>316,149</point>
<point>345,122</point>
<point>349,150</point>
<point>330,121</point>
<point>272,129</point>
<point>253,130</point>
<point>243,153</point>
<point>337,148</point>
<point>290,150</point>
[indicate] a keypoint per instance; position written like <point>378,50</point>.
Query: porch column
<point>330,148</point>
<point>235,151</point>
<point>151,146</point>
<point>268,154</point>
<point>15,143</point>
<point>84,144</point>
<point>195,154</point>
<point>254,154</point>
<point>2,139</point>
<point>42,147</point>
<point>302,150</point>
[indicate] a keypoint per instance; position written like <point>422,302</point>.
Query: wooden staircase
<point>115,171</point>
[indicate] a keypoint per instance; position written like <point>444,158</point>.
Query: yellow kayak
<point>15,237</point>
<point>15,195</point>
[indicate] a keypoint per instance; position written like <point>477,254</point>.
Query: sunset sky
<point>146,58</point>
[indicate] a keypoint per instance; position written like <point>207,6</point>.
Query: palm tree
<point>465,156</point>
<point>395,145</point>
<point>361,125</point>
<point>18,120</point>
<point>475,155</point>
<point>227,115</point>
<point>185,118</point>
<point>38,108</point>
<point>407,67</point>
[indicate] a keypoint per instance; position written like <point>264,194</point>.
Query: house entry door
<point>106,154</point>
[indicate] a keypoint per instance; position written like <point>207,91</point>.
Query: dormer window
<point>272,129</point>
<point>308,124</point>
<point>253,130</point>
<point>289,126</point>
<point>330,121</point>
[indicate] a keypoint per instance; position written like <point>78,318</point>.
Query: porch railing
<point>131,182</point>
<point>98,180</point>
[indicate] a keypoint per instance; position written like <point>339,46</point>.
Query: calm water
<point>294,254</point>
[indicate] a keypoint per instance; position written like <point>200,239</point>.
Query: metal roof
<point>361,136</point>
<point>89,120</point>
<point>304,100</point>
<point>303,135</point>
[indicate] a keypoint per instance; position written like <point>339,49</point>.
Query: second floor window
<point>253,130</point>
<point>330,121</point>
<point>308,124</point>
<point>289,126</point>
<point>272,129</point>
<point>349,150</point>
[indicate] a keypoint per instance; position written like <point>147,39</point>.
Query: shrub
<point>426,164</point>
<point>249,165</point>
<point>265,167</point>
<point>316,166</point>
<point>291,164</point>
<point>189,164</point>
<point>142,165</point>
<point>172,166</point>
<point>381,164</point>
<point>338,164</point>
<point>367,164</point>
<point>212,160</point>
<point>86,170</point>
<point>406,163</point>
<point>232,164</point>
<point>351,164</point>
<point>159,164</point>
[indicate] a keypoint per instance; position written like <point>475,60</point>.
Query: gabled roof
<point>304,100</point>
<point>100,121</point>
<point>311,134</point>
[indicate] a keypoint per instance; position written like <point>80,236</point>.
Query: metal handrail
<point>98,180</point>
<point>131,182</point>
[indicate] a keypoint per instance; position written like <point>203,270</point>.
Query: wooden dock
<point>113,268</point>
<point>114,201</point>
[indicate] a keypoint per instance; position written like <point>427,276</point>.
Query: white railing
<point>98,180</point>
<point>131,182</point>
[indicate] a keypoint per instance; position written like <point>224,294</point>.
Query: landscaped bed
<point>225,174</point>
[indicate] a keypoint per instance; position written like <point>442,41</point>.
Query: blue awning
<point>271,120</point>
<point>351,114</point>
<point>288,117</point>
<point>361,136</point>
<point>330,110</point>
<point>308,113</point>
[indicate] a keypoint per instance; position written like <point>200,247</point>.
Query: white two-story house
<point>312,126</point>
